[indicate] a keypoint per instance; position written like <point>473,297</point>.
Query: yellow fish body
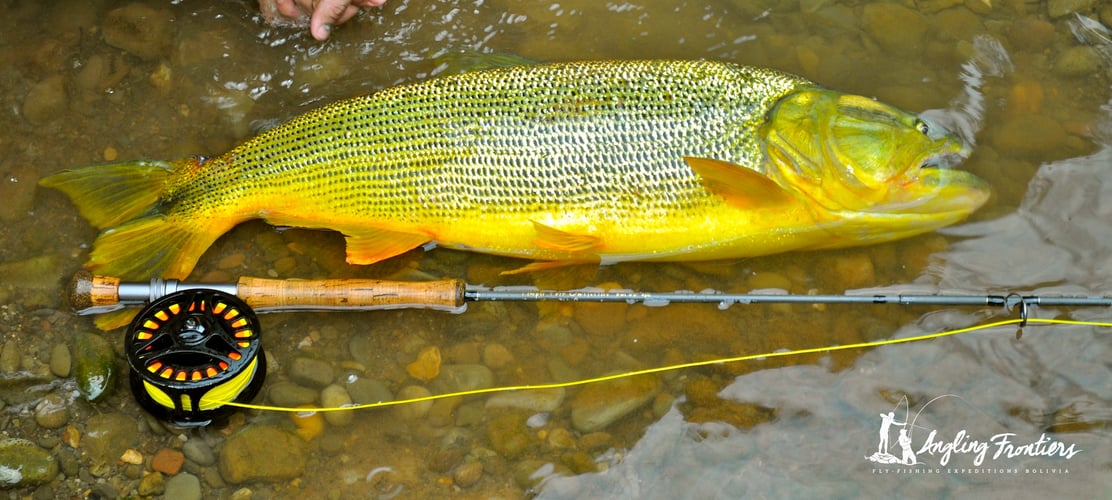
<point>569,162</point>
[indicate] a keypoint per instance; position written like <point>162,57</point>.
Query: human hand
<point>321,14</point>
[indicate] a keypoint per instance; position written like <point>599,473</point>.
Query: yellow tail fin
<point>139,239</point>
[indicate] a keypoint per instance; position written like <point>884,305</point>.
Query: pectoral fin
<point>367,246</point>
<point>741,187</point>
<point>556,239</point>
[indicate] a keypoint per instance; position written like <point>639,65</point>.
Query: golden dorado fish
<point>569,162</point>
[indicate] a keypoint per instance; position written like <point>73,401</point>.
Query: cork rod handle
<point>90,293</point>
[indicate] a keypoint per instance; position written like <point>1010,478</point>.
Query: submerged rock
<point>46,101</point>
<point>262,453</point>
<point>23,464</point>
<point>140,30</point>
<point>597,406</point>
<point>108,435</point>
<point>94,366</point>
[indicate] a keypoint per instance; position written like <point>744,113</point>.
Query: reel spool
<point>190,352</point>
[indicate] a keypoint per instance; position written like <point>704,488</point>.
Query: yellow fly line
<point>208,400</point>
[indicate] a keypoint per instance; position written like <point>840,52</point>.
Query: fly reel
<point>191,352</point>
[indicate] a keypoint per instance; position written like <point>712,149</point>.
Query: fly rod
<point>194,347</point>
<point>90,294</point>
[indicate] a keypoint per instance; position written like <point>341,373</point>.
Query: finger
<point>329,13</point>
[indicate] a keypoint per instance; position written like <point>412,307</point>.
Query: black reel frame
<point>188,343</point>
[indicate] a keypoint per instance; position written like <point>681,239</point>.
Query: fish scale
<point>508,141</point>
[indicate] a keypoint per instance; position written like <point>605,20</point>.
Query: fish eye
<point>921,126</point>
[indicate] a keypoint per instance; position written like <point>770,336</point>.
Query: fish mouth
<point>938,188</point>
<point>943,160</point>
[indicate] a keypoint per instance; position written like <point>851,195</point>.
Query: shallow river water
<point>990,413</point>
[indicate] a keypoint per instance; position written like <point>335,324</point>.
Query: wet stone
<point>531,400</point>
<point>289,394</point>
<point>895,28</point>
<point>199,452</point>
<point>455,378</point>
<point>46,100</point>
<point>184,486</point>
<point>311,372</point>
<point>168,461</point>
<point>60,360</point>
<point>94,366</point>
<point>10,360</point>
<point>1061,8</point>
<point>497,356</point>
<point>152,484</point>
<point>262,453</point>
<point>508,435</point>
<point>427,365</point>
<point>597,406</point>
<point>139,30</point>
<point>1032,135</point>
<point>1078,61</point>
<point>413,411</point>
<point>51,412</point>
<point>335,396</point>
<point>468,474</point>
<point>365,390</point>
<point>108,435</point>
<point>23,464</point>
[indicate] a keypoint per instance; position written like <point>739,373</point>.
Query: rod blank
<point>90,294</point>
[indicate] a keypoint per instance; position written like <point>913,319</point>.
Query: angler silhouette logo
<point>939,448</point>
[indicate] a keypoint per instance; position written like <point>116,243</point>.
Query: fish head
<point>849,153</point>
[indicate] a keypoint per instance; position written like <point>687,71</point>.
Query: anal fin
<point>369,245</point>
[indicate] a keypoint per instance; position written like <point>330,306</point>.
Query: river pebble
<point>262,453</point>
<point>897,29</point>
<point>152,484</point>
<point>1078,61</point>
<point>23,464</point>
<point>335,396</point>
<point>168,461</point>
<point>366,390</point>
<point>456,378</point>
<point>1062,8</point>
<point>10,360</point>
<point>199,452</point>
<point>427,365</point>
<point>468,474</point>
<point>311,372</point>
<point>108,435</point>
<point>60,360</point>
<point>94,366</point>
<point>184,486</point>
<point>1035,135</point>
<point>412,411</point>
<point>289,394</point>
<point>51,412</point>
<point>597,406</point>
<point>496,356</point>
<point>535,400</point>
<point>140,30</point>
<point>509,436</point>
<point>46,101</point>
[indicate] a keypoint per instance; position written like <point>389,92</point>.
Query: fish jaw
<point>863,160</point>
